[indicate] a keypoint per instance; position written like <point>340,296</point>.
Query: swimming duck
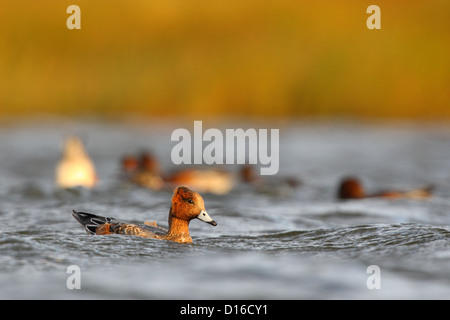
<point>204,180</point>
<point>129,164</point>
<point>75,167</point>
<point>352,188</point>
<point>186,205</point>
<point>145,171</point>
<point>148,173</point>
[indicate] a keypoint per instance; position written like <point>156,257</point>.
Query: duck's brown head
<point>149,163</point>
<point>351,188</point>
<point>248,173</point>
<point>129,163</point>
<point>188,205</point>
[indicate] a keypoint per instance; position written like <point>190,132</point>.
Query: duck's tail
<point>90,221</point>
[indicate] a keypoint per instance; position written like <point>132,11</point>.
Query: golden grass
<point>225,58</point>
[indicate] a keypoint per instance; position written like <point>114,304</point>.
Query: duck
<point>147,174</point>
<point>352,188</point>
<point>186,206</point>
<point>145,171</point>
<point>75,168</point>
<point>209,180</point>
<point>129,164</point>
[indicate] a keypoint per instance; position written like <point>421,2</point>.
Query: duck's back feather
<point>95,224</point>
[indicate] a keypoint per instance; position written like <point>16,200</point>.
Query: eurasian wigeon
<point>248,175</point>
<point>186,205</point>
<point>352,188</point>
<point>149,163</point>
<point>129,164</point>
<point>148,174</point>
<point>75,168</point>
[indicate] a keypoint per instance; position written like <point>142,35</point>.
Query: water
<point>290,244</point>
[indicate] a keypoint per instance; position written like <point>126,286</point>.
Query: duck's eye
<point>190,201</point>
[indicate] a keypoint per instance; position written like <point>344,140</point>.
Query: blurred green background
<point>252,58</point>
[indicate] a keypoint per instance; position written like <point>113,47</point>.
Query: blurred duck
<point>75,169</point>
<point>248,175</point>
<point>203,180</point>
<point>352,188</point>
<point>145,171</point>
<point>130,165</point>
